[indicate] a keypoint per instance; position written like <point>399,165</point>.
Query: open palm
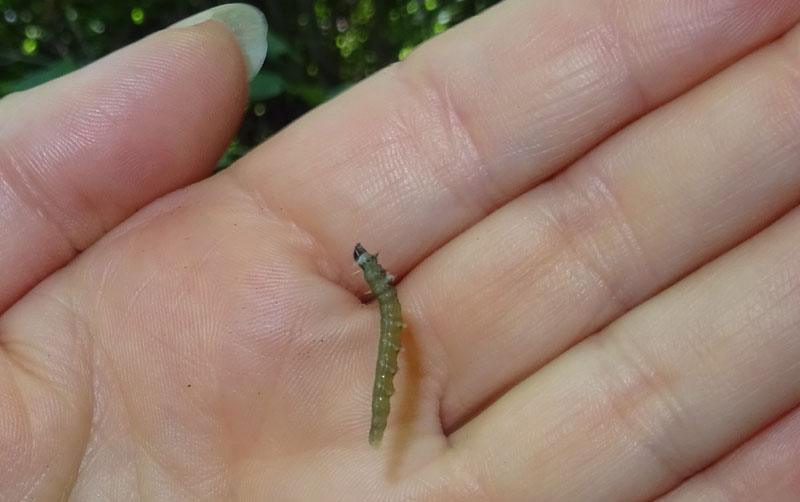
<point>591,209</point>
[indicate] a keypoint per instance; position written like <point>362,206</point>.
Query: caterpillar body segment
<point>381,284</point>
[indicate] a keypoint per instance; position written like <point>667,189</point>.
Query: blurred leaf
<point>234,152</point>
<point>312,95</point>
<point>338,89</point>
<point>265,85</point>
<point>276,46</point>
<point>37,77</point>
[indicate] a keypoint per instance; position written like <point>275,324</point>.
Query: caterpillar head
<point>362,257</point>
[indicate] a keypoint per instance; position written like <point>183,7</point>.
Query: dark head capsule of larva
<point>361,256</point>
<point>358,252</point>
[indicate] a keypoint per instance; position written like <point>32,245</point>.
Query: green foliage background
<point>316,47</point>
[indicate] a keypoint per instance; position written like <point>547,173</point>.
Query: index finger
<point>472,119</point>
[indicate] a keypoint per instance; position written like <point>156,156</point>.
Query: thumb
<point>82,153</point>
<point>77,156</point>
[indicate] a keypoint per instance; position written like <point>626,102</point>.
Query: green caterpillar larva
<point>380,282</point>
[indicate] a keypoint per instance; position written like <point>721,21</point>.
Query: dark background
<point>317,48</point>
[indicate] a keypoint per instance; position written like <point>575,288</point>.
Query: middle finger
<point>669,193</point>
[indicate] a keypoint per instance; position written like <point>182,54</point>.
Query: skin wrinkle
<point>26,367</point>
<point>7,206</point>
<point>670,414</point>
<point>26,190</point>
<point>437,372</point>
<point>99,409</point>
<point>461,144</point>
<point>306,242</point>
<point>91,124</point>
<point>601,199</point>
<point>405,183</point>
<point>602,44</point>
<point>44,434</point>
<point>571,246</point>
<point>34,485</point>
<point>120,382</point>
<point>22,426</point>
<point>742,475</point>
<point>17,360</point>
<point>63,401</point>
<point>127,416</point>
<point>454,422</point>
<point>147,453</point>
<point>790,46</point>
<point>707,21</point>
<point>102,286</point>
<point>761,11</point>
<point>435,94</point>
<point>747,314</point>
<point>787,103</point>
<point>95,411</point>
<point>691,26</point>
<point>558,92</point>
<point>59,151</point>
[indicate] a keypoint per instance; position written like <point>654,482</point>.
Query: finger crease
<point>644,404</point>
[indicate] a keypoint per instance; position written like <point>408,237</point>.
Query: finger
<point>764,468</point>
<point>481,114</point>
<point>669,388</point>
<point>661,198</point>
<point>82,153</point>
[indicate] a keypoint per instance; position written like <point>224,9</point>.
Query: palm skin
<point>597,264</point>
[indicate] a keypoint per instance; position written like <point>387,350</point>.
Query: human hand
<point>596,250</point>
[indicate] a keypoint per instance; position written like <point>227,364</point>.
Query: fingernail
<point>247,24</point>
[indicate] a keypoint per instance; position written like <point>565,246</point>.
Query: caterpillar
<point>380,283</point>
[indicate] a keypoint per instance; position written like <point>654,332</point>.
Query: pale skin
<point>591,208</point>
